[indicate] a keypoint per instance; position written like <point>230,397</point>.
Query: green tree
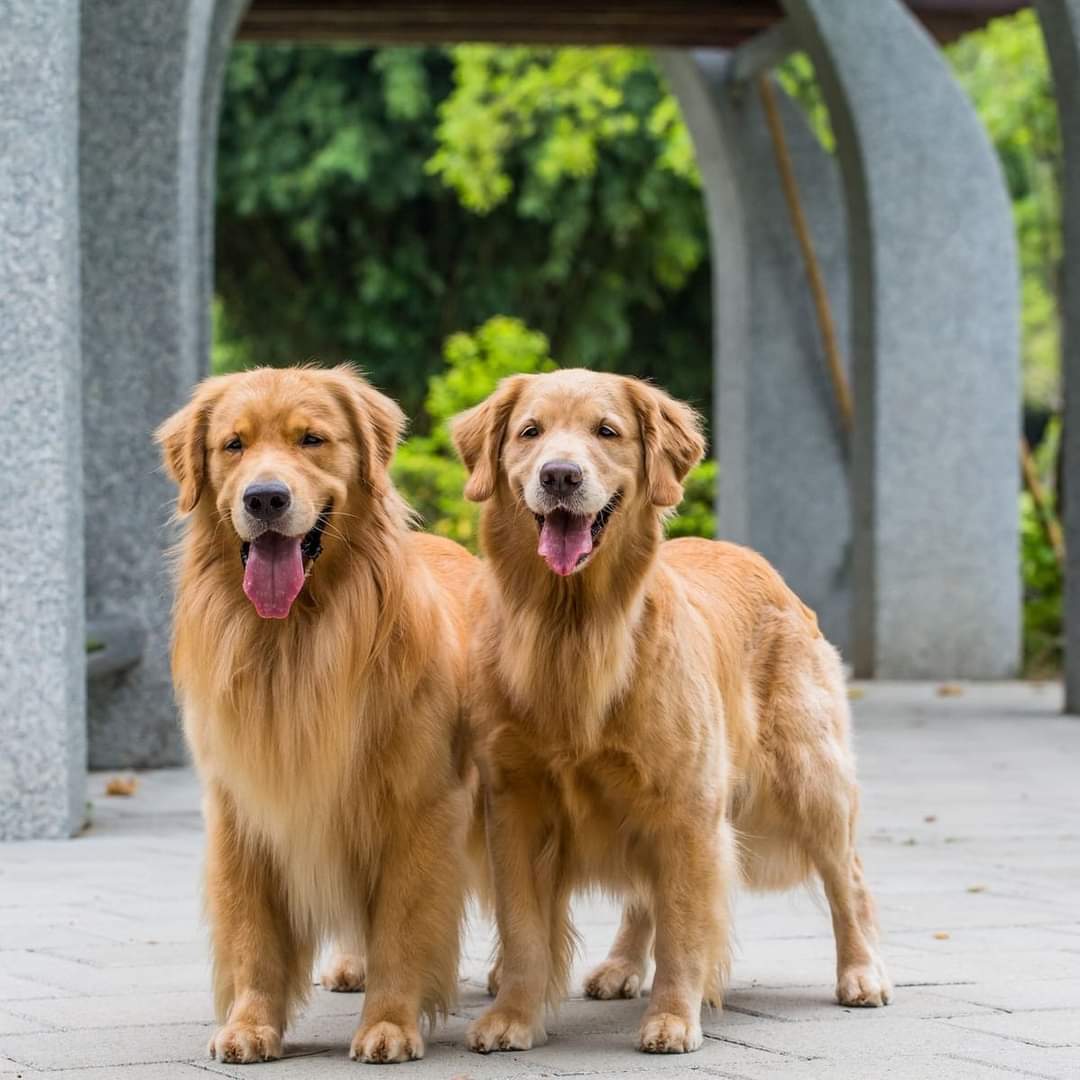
<point>372,202</point>
<point>1005,71</point>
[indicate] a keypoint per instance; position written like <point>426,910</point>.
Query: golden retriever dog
<point>319,658</point>
<point>657,719</point>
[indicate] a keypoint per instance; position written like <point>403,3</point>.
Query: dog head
<point>272,454</point>
<point>577,447</point>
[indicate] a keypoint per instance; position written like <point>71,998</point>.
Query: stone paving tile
<point>1045,1027</point>
<point>115,1046</point>
<point>102,939</point>
<point>121,1010</point>
<point>20,1024</point>
<point>173,1070</point>
<point>1019,996</point>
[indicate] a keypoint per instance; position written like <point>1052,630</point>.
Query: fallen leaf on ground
<point>942,935</point>
<point>854,693</point>
<point>122,785</point>
<point>949,690</point>
<point>977,888</point>
<point>930,818</point>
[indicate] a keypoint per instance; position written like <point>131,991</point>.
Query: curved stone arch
<point>692,78</point>
<point>935,303</point>
<point>782,486</point>
<point>151,77</point>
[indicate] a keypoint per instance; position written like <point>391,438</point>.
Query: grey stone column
<point>42,643</point>
<point>783,485</point>
<point>1061,27</point>
<point>935,319</point>
<point>151,75</point>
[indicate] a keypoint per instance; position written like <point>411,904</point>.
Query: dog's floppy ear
<point>377,422</point>
<point>479,435</point>
<point>183,443</point>
<point>672,440</point>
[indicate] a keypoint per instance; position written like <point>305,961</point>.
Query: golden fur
<point>657,723</point>
<point>330,743</point>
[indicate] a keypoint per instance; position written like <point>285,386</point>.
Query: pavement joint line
<point>757,1046</point>
<point>1012,1070</point>
<point>1010,1038</point>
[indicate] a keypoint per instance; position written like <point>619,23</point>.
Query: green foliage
<point>372,202</point>
<point>696,515</point>
<point>429,474</point>
<point>1004,69</point>
<point>1041,574</point>
<point>1043,596</point>
<point>797,78</point>
<point>425,468</point>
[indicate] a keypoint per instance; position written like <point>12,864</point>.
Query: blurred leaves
<point>372,202</point>
<point>1005,71</point>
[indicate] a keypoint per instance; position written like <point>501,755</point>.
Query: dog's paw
<point>385,1043</point>
<point>503,1029</point>
<point>344,974</point>
<point>494,978</point>
<point>614,979</point>
<point>865,987</point>
<point>241,1044</point>
<point>666,1033</point>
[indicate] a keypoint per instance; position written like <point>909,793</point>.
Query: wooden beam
<point>661,23</point>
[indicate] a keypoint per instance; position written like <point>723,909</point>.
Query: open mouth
<point>274,570</point>
<point>567,540</point>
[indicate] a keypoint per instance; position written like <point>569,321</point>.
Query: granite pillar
<point>42,641</point>
<point>783,486</point>
<point>151,78</point>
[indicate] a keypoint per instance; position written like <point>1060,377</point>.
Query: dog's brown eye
<point>606,432</point>
<point>530,432</point>
<point>311,440</point>
<point>234,446</point>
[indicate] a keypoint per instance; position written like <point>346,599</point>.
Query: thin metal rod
<point>818,292</point>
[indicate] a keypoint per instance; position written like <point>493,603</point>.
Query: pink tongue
<point>274,574</point>
<point>564,539</point>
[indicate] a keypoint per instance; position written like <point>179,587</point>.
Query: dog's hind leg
<point>623,972</point>
<point>813,789</point>
<point>344,971</point>
<point>262,963</point>
<point>861,978</point>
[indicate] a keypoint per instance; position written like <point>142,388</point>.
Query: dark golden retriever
<point>319,650</point>
<point>657,719</point>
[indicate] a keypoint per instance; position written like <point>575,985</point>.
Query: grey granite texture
<point>1061,27</point>
<point>151,78</point>
<point>42,647</point>
<point>935,324</point>
<point>783,485</point>
<point>967,835</point>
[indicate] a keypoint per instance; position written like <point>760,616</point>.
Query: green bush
<point>429,474</point>
<point>1043,582</point>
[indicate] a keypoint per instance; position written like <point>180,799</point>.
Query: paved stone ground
<point>971,835</point>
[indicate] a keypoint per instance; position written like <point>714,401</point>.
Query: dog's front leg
<point>532,912</point>
<point>414,932</point>
<point>693,872</point>
<point>261,966</point>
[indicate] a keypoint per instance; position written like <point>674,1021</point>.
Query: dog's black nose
<point>560,477</point>
<point>267,501</point>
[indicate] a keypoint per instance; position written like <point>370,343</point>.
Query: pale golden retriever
<point>656,719</point>
<point>319,650</point>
